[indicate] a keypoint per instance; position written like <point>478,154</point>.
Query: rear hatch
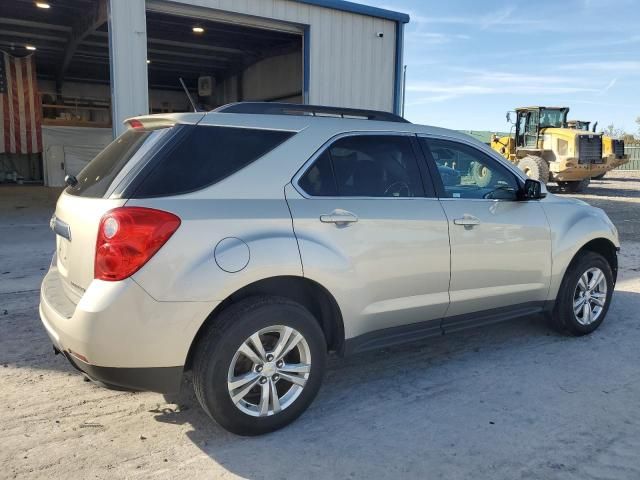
<point>95,192</point>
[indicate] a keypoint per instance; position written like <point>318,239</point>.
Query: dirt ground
<point>506,402</point>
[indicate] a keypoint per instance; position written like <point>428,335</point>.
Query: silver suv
<point>245,244</point>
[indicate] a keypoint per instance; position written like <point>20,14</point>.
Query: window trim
<point>439,185</point>
<point>427,183</point>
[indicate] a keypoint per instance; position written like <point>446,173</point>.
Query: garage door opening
<point>56,68</point>
<point>220,62</point>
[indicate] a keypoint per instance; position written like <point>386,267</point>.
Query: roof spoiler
<point>153,122</point>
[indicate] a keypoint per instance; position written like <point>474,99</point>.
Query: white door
<point>500,245</point>
<point>370,233</point>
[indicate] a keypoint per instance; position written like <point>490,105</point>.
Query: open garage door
<point>67,44</point>
<point>221,58</point>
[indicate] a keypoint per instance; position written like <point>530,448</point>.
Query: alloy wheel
<point>590,296</point>
<point>269,371</point>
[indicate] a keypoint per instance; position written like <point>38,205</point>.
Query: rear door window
<point>203,155</point>
<point>366,166</point>
<point>319,180</point>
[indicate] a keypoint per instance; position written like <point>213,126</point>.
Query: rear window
<point>201,156</point>
<point>96,178</point>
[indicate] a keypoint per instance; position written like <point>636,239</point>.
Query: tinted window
<point>202,156</point>
<point>468,173</point>
<point>366,166</point>
<point>319,180</point>
<point>95,179</point>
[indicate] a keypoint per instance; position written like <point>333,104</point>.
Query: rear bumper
<point>160,379</point>
<point>119,335</point>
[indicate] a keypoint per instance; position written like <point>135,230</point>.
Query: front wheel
<point>584,296</point>
<point>260,365</point>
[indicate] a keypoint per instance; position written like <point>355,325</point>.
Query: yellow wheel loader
<point>546,150</point>
<point>612,149</point>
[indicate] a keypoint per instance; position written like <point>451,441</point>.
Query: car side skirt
<point>422,330</point>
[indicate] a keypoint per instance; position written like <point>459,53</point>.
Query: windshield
<point>551,118</point>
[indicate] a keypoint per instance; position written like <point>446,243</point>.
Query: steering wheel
<point>501,192</point>
<point>402,186</point>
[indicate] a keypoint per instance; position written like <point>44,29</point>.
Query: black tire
<point>481,174</point>
<point>535,167</point>
<point>217,347</point>
<point>563,317</point>
<point>575,186</point>
<point>599,177</point>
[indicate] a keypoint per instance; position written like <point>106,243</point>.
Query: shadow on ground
<point>381,408</point>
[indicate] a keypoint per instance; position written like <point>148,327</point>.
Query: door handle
<point>339,216</point>
<point>468,221</point>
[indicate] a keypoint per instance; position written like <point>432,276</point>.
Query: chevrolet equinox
<point>246,243</point>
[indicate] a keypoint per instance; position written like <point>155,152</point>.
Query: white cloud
<point>436,38</point>
<point>503,16</point>
<point>448,89</point>
<point>608,87</point>
<point>430,99</point>
<point>484,82</point>
<point>623,66</point>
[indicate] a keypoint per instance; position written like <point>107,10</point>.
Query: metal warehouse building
<point>98,62</point>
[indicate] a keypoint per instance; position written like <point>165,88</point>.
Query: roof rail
<point>273,108</point>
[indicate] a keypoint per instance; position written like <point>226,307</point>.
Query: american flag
<point>20,112</point>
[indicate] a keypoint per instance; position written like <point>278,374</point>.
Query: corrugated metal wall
<point>634,158</point>
<point>350,65</point>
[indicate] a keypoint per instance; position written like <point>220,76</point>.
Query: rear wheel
<point>535,167</point>
<point>260,365</point>
<point>584,296</point>
<point>575,186</point>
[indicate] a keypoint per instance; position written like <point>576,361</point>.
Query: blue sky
<point>468,62</point>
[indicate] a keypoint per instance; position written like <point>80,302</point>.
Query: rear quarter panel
<point>185,268</point>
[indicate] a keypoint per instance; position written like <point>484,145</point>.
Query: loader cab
<point>579,125</point>
<point>531,120</point>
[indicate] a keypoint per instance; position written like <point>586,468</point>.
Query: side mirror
<point>508,117</point>
<point>533,190</point>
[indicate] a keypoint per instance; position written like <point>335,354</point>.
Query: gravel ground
<point>509,401</point>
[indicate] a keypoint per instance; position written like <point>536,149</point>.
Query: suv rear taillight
<point>128,237</point>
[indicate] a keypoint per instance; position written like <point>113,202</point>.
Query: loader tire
<point>481,174</point>
<point>575,186</point>
<point>535,167</point>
